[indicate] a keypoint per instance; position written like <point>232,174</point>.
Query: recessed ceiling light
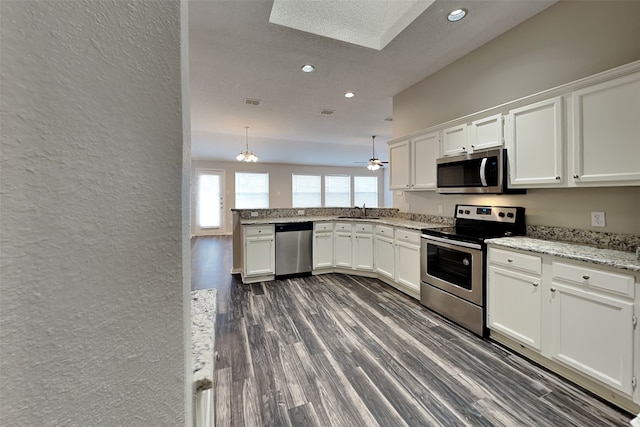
<point>308,68</point>
<point>457,15</point>
<point>349,95</point>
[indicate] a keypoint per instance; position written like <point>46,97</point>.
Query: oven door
<point>454,267</point>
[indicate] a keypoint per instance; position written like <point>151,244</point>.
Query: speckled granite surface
<point>393,221</point>
<point>600,239</point>
<point>203,316</point>
<point>614,258</point>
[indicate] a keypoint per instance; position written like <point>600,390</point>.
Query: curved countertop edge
<point>573,251</point>
<point>397,222</point>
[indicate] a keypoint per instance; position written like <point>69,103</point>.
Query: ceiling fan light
<point>373,166</point>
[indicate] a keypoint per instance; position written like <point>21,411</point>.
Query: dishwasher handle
<point>294,226</point>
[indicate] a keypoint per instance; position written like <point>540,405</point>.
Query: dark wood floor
<point>338,350</point>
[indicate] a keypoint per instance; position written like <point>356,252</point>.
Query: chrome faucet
<point>364,210</point>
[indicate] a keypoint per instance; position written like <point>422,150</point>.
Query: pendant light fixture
<point>246,155</point>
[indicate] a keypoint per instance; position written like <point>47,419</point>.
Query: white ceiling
<point>236,53</point>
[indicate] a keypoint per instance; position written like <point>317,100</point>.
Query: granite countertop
<point>392,221</point>
<point>575,251</point>
<point>203,316</point>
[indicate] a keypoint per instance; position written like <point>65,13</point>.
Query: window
<point>365,191</point>
<point>306,191</point>
<point>252,190</point>
<point>337,191</point>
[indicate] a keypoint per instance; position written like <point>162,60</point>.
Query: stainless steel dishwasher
<point>293,248</point>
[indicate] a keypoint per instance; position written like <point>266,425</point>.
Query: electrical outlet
<point>440,209</point>
<point>301,212</point>
<point>597,219</point>
<point>254,214</point>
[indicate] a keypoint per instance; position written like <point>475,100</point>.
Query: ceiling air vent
<point>255,102</point>
<point>327,112</point>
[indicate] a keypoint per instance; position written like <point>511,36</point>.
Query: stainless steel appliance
<point>293,248</point>
<point>452,262</point>
<point>479,172</point>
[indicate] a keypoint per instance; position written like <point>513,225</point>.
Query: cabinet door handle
<point>473,147</point>
<point>558,178</point>
<point>464,148</point>
<point>535,284</point>
<point>576,176</point>
<point>586,277</point>
<point>553,289</point>
<point>509,260</point>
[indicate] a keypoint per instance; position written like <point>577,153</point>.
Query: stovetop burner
<point>475,224</point>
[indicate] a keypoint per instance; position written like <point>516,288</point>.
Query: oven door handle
<point>483,169</point>
<point>452,242</point>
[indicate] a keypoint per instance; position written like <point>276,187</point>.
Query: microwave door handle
<point>483,175</point>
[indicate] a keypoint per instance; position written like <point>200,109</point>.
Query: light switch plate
<point>597,219</point>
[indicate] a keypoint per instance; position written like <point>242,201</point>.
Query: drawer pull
<point>586,277</point>
<point>509,260</point>
<point>535,284</point>
<point>553,289</point>
<point>558,178</point>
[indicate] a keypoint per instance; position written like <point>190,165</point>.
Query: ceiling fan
<point>374,163</point>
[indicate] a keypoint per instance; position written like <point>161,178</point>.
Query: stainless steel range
<point>452,265</point>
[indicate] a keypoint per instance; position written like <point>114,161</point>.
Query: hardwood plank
<point>337,350</point>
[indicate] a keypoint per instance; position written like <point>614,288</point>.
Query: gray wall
<point>568,41</point>
<point>91,306</point>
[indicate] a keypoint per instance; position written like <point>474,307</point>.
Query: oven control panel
<point>487,213</point>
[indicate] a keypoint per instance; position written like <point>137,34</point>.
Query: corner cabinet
<point>259,253</point>
<point>576,318</point>
<point>399,170</point>
<point>535,143</point>
<point>412,162</point>
<point>606,133</point>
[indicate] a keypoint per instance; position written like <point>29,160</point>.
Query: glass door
<point>209,201</point>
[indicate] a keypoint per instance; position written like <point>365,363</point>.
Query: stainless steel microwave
<point>481,172</point>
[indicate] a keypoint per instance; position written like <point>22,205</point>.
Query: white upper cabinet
<point>399,160</point>
<point>425,151</point>
<point>606,133</point>
<point>535,145</point>
<point>486,133</point>
<point>413,162</point>
<point>455,140</point>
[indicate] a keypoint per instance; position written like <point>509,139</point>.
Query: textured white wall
<point>91,303</point>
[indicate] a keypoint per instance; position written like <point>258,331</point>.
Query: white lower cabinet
<point>363,247</point>
<point>322,245</point>
<point>516,305</point>
<point>579,317</point>
<point>407,258</point>
<point>592,329</point>
<point>259,252</point>
<point>343,245</point>
<point>397,255</point>
<point>385,251</point>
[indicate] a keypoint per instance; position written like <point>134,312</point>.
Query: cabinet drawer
<point>408,236</point>
<point>522,262</point>
<point>620,284</point>
<point>258,230</point>
<point>343,226</point>
<point>323,226</point>
<point>363,228</point>
<point>383,230</point>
